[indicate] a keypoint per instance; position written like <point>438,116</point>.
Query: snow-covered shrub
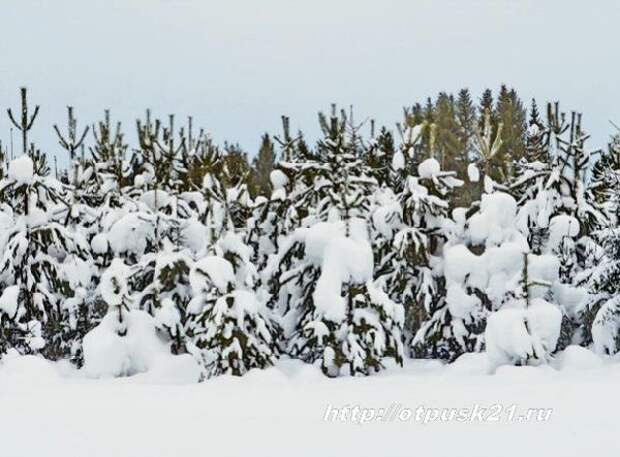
<point>521,336</point>
<point>114,349</point>
<point>126,341</point>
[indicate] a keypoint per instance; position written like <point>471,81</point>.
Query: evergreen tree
<point>605,180</point>
<point>112,170</point>
<point>448,148</point>
<point>262,167</point>
<point>486,105</point>
<point>601,315</point>
<point>511,114</point>
<point>232,333</point>
<point>35,285</point>
<point>379,155</point>
<point>333,183</point>
<point>337,314</point>
<point>408,235</point>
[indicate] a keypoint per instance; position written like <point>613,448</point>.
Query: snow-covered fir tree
<point>409,232</point>
<point>602,311</point>
<point>333,311</point>
<point>34,267</point>
<point>232,332</point>
<point>599,315</point>
<point>559,211</point>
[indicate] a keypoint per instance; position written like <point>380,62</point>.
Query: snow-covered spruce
<point>602,310</point>
<point>332,182</point>
<point>486,265</point>
<point>338,315</point>
<point>41,308</point>
<point>232,332</point>
<point>408,236</point>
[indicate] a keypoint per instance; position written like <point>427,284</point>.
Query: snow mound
<point>429,168</point>
<point>107,354</point>
<point>462,265</point>
<point>152,196</point>
<point>523,335</point>
<point>27,369</point>
<point>340,258</point>
<point>494,222</point>
<point>194,235</point>
<point>278,179</point>
<point>130,234</point>
<point>575,358</point>
<point>217,270</point>
<point>470,363</point>
<point>8,301</point>
<point>398,160</point>
<point>21,170</point>
<point>473,173</point>
<point>113,286</point>
<point>560,227</point>
<point>543,269</point>
<point>172,369</point>
<point>99,243</point>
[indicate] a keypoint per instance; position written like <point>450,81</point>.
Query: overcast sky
<point>238,65</point>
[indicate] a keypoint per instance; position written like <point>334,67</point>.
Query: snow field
<point>281,410</point>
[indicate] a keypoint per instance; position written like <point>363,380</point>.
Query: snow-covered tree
<point>337,315</point>
<point>126,341</point>
<point>601,314</point>
<point>332,182</point>
<point>32,273</point>
<point>232,332</point>
<point>322,276</point>
<point>408,232</point>
<point>559,210</point>
<point>605,182</point>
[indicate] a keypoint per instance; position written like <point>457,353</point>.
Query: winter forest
<point>477,224</point>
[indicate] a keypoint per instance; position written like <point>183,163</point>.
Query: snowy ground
<point>280,412</point>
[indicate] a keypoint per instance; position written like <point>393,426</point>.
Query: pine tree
<point>24,125</point>
<point>488,144</point>
<point>448,148</point>
<point>601,316</point>
<point>114,164</point>
<point>364,325</point>
<point>116,293</point>
<point>232,333</point>
<point>407,231</point>
<point>511,115</point>
<point>467,124</point>
<point>342,182</point>
<point>605,180</point>
<point>262,167</point>
<point>486,105</point>
<point>558,211</point>
<point>35,286</point>
<point>530,179</point>
<point>379,155</point>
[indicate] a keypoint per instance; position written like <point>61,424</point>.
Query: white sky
<point>237,65</point>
